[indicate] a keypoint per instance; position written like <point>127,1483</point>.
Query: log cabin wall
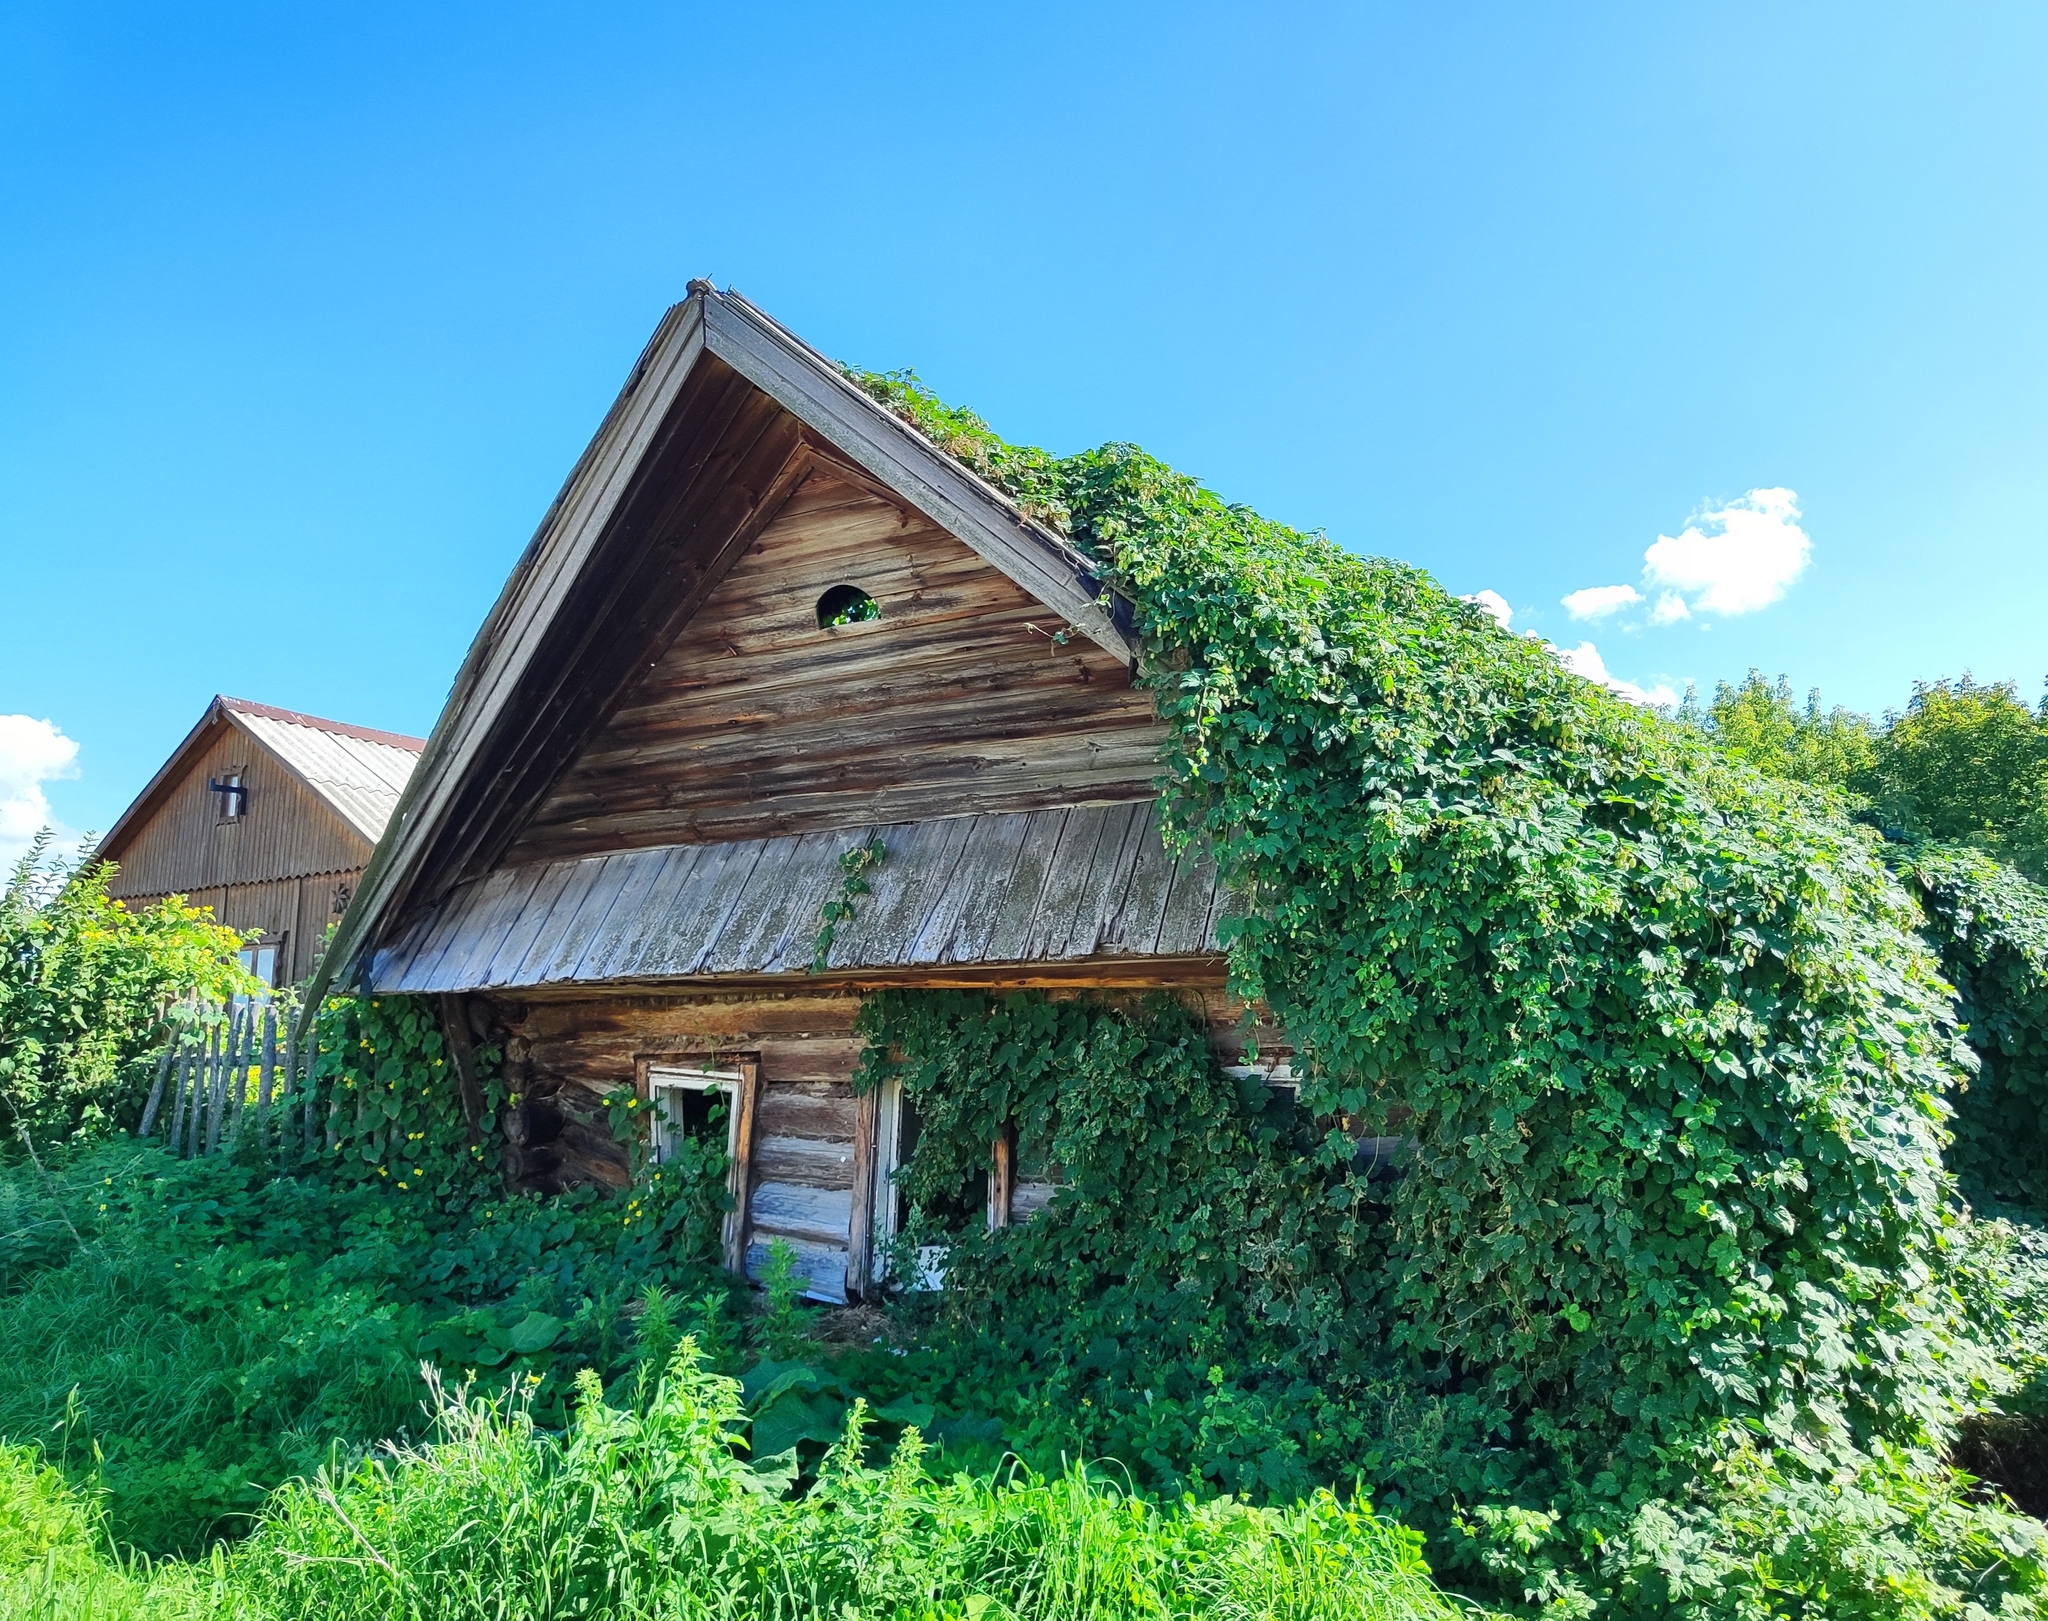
<point>757,722</point>
<point>813,1139</point>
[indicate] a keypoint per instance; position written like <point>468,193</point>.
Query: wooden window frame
<point>274,944</point>
<point>738,1075</point>
<point>239,797</point>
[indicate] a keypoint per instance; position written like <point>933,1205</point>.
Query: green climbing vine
<point>387,1108</point>
<point>854,867</point>
<point>1675,1066</point>
<point>1991,925</point>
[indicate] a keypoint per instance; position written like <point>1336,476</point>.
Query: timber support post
<point>462,1054</point>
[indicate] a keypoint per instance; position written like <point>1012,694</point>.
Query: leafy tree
<point>1967,762</point>
<point>1757,722</point>
<point>85,985</point>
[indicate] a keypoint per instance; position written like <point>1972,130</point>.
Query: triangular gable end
<point>725,415</point>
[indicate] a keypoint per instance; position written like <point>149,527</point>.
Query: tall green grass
<point>647,1510</point>
<point>192,1333</point>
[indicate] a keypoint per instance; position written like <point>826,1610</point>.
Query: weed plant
<point>190,1333</point>
<point>648,1509</point>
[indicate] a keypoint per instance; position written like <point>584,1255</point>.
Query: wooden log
<point>179,1080</point>
<point>156,1091</point>
<point>202,1082</point>
<point>462,1054</point>
<point>1001,1172</point>
<point>861,1221</point>
<point>287,1078</point>
<point>333,1137</point>
<point>740,1176</point>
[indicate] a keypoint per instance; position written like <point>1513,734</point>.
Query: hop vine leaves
<point>854,867</point>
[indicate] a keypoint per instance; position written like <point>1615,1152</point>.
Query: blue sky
<point>306,311</point>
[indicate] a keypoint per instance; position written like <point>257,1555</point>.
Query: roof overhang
<point>495,748</point>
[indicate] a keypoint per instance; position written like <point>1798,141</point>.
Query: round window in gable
<point>846,605</point>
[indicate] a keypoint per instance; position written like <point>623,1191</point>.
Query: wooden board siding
<point>756,722</point>
<point>287,832</point>
<point>1076,884</point>
<point>295,911</point>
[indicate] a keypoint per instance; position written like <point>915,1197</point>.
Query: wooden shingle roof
<point>1050,887</point>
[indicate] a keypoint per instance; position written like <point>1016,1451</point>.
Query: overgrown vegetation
<point>86,987</point>
<point>1959,784</point>
<point>1674,1241</point>
<point>1666,1304</point>
<point>1965,762</point>
<point>647,1509</point>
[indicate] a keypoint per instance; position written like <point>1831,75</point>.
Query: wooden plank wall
<point>185,847</point>
<point>809,1149</point>
<point>756,722</point>
<point>293,910</point>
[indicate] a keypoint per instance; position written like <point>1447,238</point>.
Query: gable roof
<point>724,414</point>
<point>356,772</point>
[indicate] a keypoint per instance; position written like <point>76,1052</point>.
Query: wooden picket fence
<point>234,1071</point>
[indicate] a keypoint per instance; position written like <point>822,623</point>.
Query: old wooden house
<point>266,816</point>
<point>766,624</point>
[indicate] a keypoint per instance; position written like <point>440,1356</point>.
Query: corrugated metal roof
<point>1054,886</point>
<point>359,772</point>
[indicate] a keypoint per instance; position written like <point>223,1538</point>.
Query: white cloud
<point>1494,603</point>
<point>1732,559</point>
<point>1670,609</point>
<point>1585,660</point>
<point>32,752</point>
<point>1598,601</point>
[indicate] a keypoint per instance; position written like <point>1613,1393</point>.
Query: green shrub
<point>222,1326</point>
<point>85,985</point>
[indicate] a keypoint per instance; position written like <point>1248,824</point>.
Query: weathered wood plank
<point>628,935</point>
<point>553,897</point>
<point>980,879</point>
<point>698,910</point>
<point>905,886</point>
<point>1134,927</point>
<point>449,937</point>
<point>582,928</point>
<point>813,1162</point>
<point>823,1266</point>
<point>817,1114</point>
<point>1066,881</point>
<point>1102,885</point>
<point>471,928</point>
<point>780,903</point>
<point>794,1210</point>
<point>1185,928</point>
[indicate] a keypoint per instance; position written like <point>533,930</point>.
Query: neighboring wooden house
<point>765,624</point>
<point>266,816</point>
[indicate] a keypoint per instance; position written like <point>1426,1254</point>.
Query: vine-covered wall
<point>1675,1060</point>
